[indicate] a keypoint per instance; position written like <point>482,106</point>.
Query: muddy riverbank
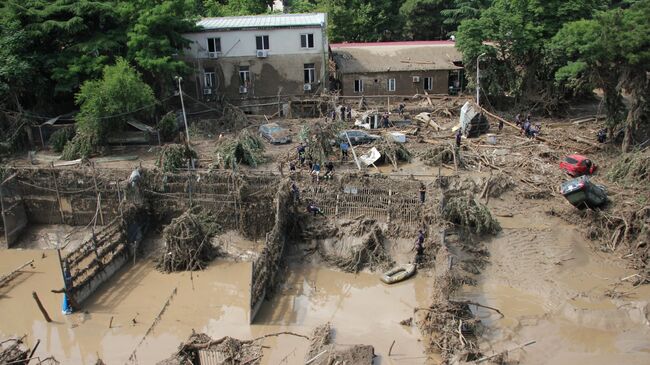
<point>553,288</point>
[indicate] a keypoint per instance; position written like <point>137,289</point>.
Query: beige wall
<point>267,75</point>
<point>403,79</point>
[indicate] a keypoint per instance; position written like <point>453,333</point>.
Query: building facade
<point>252,57</point>
<point>398,68</point>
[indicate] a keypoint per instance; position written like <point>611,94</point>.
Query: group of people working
<point>527,127</point>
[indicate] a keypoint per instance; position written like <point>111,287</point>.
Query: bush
<point>81,146</point>
<point>246,149</point>
<point>59,138</point>
<point>175,156</point>
<point>168,127</point>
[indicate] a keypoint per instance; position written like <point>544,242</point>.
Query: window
<point>214,44</point>
<point>262,42</point>
<point>358,86</point>
<point>391,84</point>
<point>428,83</point>
<point>310,73</point>
<point>208,79</point>
<point>307,40</point>
<point>244,75</point>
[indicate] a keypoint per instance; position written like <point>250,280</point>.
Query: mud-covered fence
<point>105,252</point>
<point>239,201</point>
<point>382,200</point>
<point>267,265</point>
<point>74,197</point>
<point>14,219</point>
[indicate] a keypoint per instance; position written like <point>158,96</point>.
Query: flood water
<point>215,301</point>
<point>551,287</point>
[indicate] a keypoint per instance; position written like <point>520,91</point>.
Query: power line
<point>35,116</point>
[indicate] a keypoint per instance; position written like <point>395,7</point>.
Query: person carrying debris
<point>329,170</point>
<point>344,150</point>
<point>295,192</point>
<point>312,208</point>
<point>423,191</point>
<point>301,153</point>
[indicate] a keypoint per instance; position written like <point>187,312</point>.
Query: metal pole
<point>180,92</point>
<point>478,78</point>
<point>353,153</point>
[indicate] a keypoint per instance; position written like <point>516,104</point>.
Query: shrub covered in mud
<point>467,212</point>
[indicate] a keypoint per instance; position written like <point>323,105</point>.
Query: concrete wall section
<point>242,43</point>
<point>269,76</point>
<point>377,83</point>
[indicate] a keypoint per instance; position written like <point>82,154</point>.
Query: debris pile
<point>231,350</point>
<point>631,168</point>
<point>13,351</point>
<point>173,157</point>
<point>392,151</point>
<point>246,149</point>
<point>319,140</point>
<point>366,251</point>
<point>323,352</point>
<point>497,184</point>
<point>188,243</point>
<point>450,325</point>
<point>437,155</point>
<point>467,212</point>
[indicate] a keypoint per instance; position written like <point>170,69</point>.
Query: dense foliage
<point>536,52</point>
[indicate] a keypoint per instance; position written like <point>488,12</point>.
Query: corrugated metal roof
<point>262,21</point>
<point>388,58</point>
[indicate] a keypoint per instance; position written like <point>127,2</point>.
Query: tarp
<point>370,157</point>
<point>141,126</point>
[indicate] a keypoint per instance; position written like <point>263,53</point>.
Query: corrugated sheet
<point>396,57</point>
<point>263,21</point>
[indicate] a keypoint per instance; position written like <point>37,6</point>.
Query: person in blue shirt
<point>315,171</point>
<point>344,150</point>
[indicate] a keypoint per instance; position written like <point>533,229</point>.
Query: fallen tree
<point>246,149</point>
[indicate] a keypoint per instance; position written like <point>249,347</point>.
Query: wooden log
<point>41,308</point>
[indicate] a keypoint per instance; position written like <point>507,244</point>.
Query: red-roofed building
<point>397,68</point>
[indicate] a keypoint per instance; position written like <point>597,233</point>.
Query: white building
<point>259,56</point>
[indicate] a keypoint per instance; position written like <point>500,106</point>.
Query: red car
<point>577,165</point>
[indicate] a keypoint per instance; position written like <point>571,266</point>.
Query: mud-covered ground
<point>553,285</point>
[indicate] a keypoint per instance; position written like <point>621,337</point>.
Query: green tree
<point>423,19</point>
<point>156,37</point>
<point>106,105</point>
<point>363,20</point>
<point>612,52</point>
<point>236,7</point>
<point>15,70</point>
<point>517,31</point>
<point>460,10</point>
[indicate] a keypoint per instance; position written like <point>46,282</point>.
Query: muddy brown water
<point>215,301</point>
<point>550,285</point>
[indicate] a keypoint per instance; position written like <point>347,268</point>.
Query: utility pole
<point>478,79</point>
<point>180,92</point>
